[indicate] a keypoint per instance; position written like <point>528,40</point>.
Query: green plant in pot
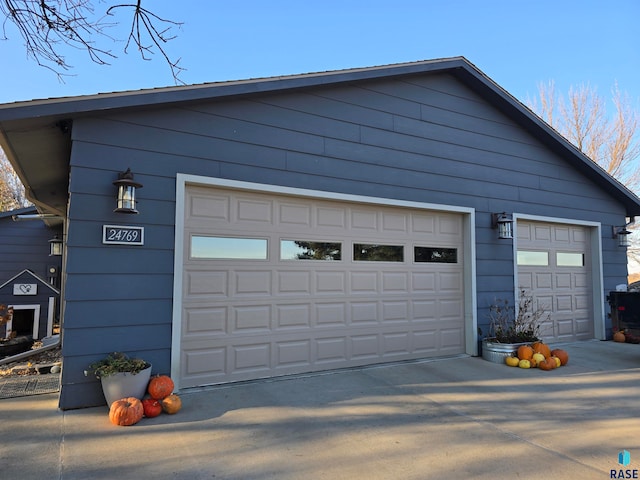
<point>510,327</point>
<point>121,376</point>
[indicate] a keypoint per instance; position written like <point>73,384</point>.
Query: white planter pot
<point>122,385</point>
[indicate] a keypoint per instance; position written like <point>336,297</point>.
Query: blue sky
<point>516,43</point>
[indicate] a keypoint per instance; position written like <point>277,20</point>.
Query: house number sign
<point>122,235</point>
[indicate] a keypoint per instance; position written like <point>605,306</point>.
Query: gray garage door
<point>554,266</point>
<point>276,284</point>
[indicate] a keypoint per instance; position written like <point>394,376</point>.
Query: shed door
<point>554,266</point>
<point>275,285</point>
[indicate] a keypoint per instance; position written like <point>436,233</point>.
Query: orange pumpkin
<point>126,411</point>
<point>525,352</point>
<point>619,337</point>
<point>160,386</point>
<point>561,354</point>
<point>543,348</point>
<point>172,404</point>
<point>548,364</point>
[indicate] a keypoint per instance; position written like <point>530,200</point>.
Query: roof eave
<point>549,136</point>
<point>44,113</point>
<point>70,107</point>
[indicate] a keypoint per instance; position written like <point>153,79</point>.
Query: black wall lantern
<point>126,192</point>
<point>504,223</point>
<point>55,246</point>
<point>622,234</point>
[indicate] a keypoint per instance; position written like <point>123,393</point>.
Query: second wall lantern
<point>504,223</point>
<point>622,234</point>
<point>126,201</point>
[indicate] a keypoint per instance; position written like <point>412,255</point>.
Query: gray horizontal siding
<point>429,139</point>
<point>105,259</point>
<point>118,286</point>
<point>140,312</point>
<point>25,245</point>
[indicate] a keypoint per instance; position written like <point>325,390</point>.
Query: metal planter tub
<point>496,352</point>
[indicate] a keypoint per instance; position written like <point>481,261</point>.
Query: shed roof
<point>18,211</point>
<point>35,134</point>
<point>27,275</point>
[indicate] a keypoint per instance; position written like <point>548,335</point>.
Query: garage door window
<point>435,255</point>
<point>228,248</point>
<point>305,250</point>
<point>569,259</point>
<point>533,258</point>
<point>365,252</point>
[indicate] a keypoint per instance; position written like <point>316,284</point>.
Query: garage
<point>554,265</point>
<point>277,284</point>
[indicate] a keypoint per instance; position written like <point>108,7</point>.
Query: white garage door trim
<point>597,281</point>
<point>183,180</point>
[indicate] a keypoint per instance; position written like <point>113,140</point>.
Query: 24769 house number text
<point>122,235</point>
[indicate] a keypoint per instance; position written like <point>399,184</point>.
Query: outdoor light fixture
<point>622,234</point>
<point>55,246</point>
<point>126,192</point>
<point>504,223</point>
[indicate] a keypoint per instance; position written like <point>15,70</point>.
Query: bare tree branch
<point>547,107</point>
<point>143,24</point>
<point>47,26</point>
<point>610,141</point>
<point>623,149</point>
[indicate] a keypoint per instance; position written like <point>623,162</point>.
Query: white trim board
<point>36,317</point>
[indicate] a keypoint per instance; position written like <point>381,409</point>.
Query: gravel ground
<point>29,366</point>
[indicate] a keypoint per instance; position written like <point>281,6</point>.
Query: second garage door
<point>554,267</point>
<point>277,284</point>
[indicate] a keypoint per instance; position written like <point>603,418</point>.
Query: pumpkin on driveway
<point>543,348</point>
<point>619,337</point>
<point>548,364</point>
<point>172,404</point>
<point>152,407</point>
<point>524,363</point>
<point>160,386</point>
<point>525,352</point>
<point>126,411</point>
<point>561,354</point>
<point>511,361</point>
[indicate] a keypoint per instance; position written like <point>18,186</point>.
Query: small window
<point>228,248</point>
<point>303,250</point>
<point>531,258</point>
<point>365,252</point>
<point>435,255</point>
<point>569,259</point>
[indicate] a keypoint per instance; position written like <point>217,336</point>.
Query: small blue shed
<point>312,222</point>
<point>34,303</point>
<point>30,271</point>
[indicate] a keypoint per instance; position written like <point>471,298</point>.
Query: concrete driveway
<point>456,418</point>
